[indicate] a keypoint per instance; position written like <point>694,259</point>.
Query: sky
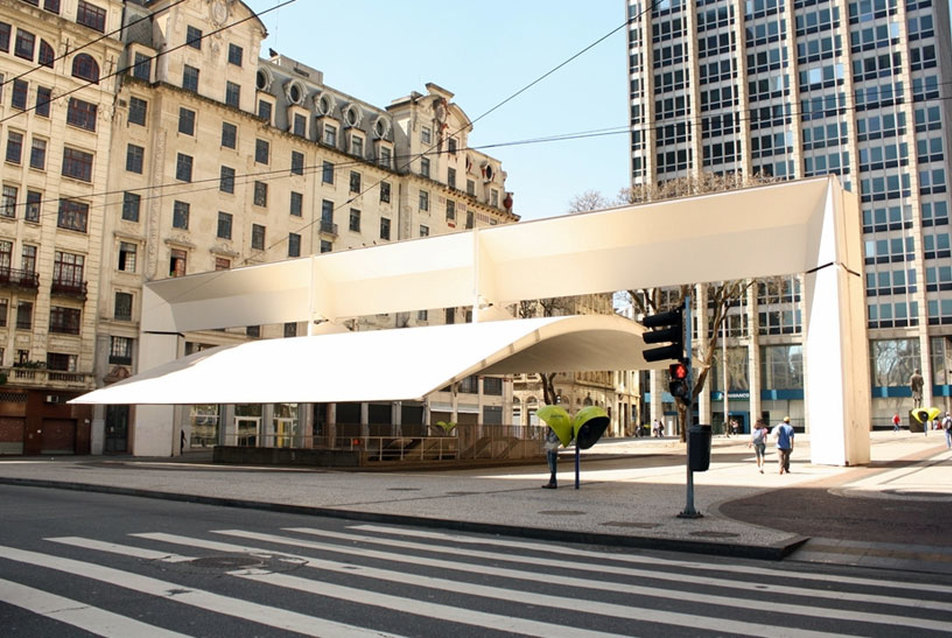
<point>484,52</point>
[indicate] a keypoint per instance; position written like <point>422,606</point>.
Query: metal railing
<point>16,278</point>
<point>69,288</point>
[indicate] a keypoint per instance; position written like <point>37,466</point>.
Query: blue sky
<point>378,50</point>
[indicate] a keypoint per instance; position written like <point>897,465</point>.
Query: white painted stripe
<point>66,610</point>
<point>631,611</point>
<point>915,588</point>
<point>246,610</point>
<point>387,601</point>
<point>114,548</point>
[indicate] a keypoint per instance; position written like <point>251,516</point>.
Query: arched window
<point>46,54</point>
<point>85,67</point>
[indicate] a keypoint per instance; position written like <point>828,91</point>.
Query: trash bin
<point>699,448</point>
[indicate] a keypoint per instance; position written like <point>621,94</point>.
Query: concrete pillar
<point>154,428</point>
<point>753,355</point>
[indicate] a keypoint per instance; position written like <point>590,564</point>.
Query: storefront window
<point>892,361</point>
<point>205,423</point>
<point>781,367</point>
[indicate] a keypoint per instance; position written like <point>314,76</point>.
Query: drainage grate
<point>631,524</point>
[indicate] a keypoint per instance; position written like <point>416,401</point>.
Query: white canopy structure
<point>808,226</point>
<point>382,365</point>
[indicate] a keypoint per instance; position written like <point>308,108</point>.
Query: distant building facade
<point>799,88</point>
<point>169,147</point>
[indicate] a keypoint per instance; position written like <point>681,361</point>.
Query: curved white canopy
<point>381,365</point>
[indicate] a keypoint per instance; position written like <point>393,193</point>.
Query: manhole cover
<point>631,524</point>
<point>562,513</point>
<point>716,534</point>
<point>227,562</point>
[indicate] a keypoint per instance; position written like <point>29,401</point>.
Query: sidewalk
<point>631,493</point>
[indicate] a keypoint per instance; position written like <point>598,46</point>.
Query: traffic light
<point>679,383</point>
<point>666,326</point>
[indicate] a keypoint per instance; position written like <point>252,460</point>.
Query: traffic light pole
<point>689,511</point>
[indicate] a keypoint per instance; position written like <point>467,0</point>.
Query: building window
<point>235,54</point>
<point>183,167</point>
<point>120,350</point>
<point>326,246</point>
<point>233,94</point>
<point>257,237</point>
<point>4,311</point>
<point>451,177</point>
<point>44,95</point>
<point>229,135</point>
<point>470,187</point>
<point>297,163</point>
<point>138,108</point>
<point>14,147</point>
<point>221,263</point>
<point>330,135</point>
<point>130,206</point>
<point>424,231</point>
<point>424,200</point>
<point>86,68</point>
<point>451,144</point>
<point>190,78</point>
<point>38,154</point>
<point>224,225</point>
<point>64,320</point>
<point>53,6</point>
<point>28,259</point>
<point>297,203</point>
<point>61,361</point>
<point>186,121</point>
<point>357,145</point>
<point>135,156</point>
<point>25,315</point>
<point>384,228</point>
<point>127,256</point>
<point>77,164</point>
<point>262,151</point>
<point>226,179</point>
<point>91,16</point>
<point>424,167</point>
<point>68,269</point>
<point>450,210</point>
<point>180,211</point>
<point>34,201</point>
<point>25,44</point>
<point>354,182</point>
<point>386,156</point>
<point>426,135</point>
<point>385,192</point>
<point>300,125</point>
<point>177,263</point>
<point>355,220</point>
<point>142,69</point>
<point>261,194</point>
<point>5,31</point>
<point>8,205</point>
<point>290,329</point>
<point>193,37</point>
<point>264,110</point>
<point>327,174</point>
<point>81,114</point>
<point>18,98</point>
<point>294,245</point>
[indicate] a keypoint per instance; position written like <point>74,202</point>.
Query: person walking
<point>896,422</point>
<point>784,434</point>
<point>552,444</point>
<point>947,426</point>
<point>758,439</point>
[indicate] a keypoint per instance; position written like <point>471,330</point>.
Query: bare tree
<point>589,200</point>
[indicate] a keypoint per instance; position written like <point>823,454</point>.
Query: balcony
<point>19,279</point>
<point>67,288</point>
<point>328,228</point>
<point>40,377</point>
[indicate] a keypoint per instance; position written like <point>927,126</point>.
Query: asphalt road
<point>75,564</point>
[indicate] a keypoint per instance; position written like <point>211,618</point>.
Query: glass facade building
<point>791,89</point>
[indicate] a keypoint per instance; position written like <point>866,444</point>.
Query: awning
<point>382,365</point>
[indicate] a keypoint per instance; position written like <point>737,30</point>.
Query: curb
<point>774,552</point>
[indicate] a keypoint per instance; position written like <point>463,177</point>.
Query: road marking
<point>78,614</point>
<point>784,576</point>
<point>244,609</point>
<point>628,612</point>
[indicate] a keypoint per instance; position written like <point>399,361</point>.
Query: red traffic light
<point>678,371</point>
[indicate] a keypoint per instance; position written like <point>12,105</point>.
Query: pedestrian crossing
<point>378,580</point>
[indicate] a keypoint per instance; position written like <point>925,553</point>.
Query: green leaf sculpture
<point>446,425</point>
<point>585,428</point>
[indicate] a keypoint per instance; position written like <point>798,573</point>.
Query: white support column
<point>154,432</point>
<point>836,369</point>
<point>753,356</point>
